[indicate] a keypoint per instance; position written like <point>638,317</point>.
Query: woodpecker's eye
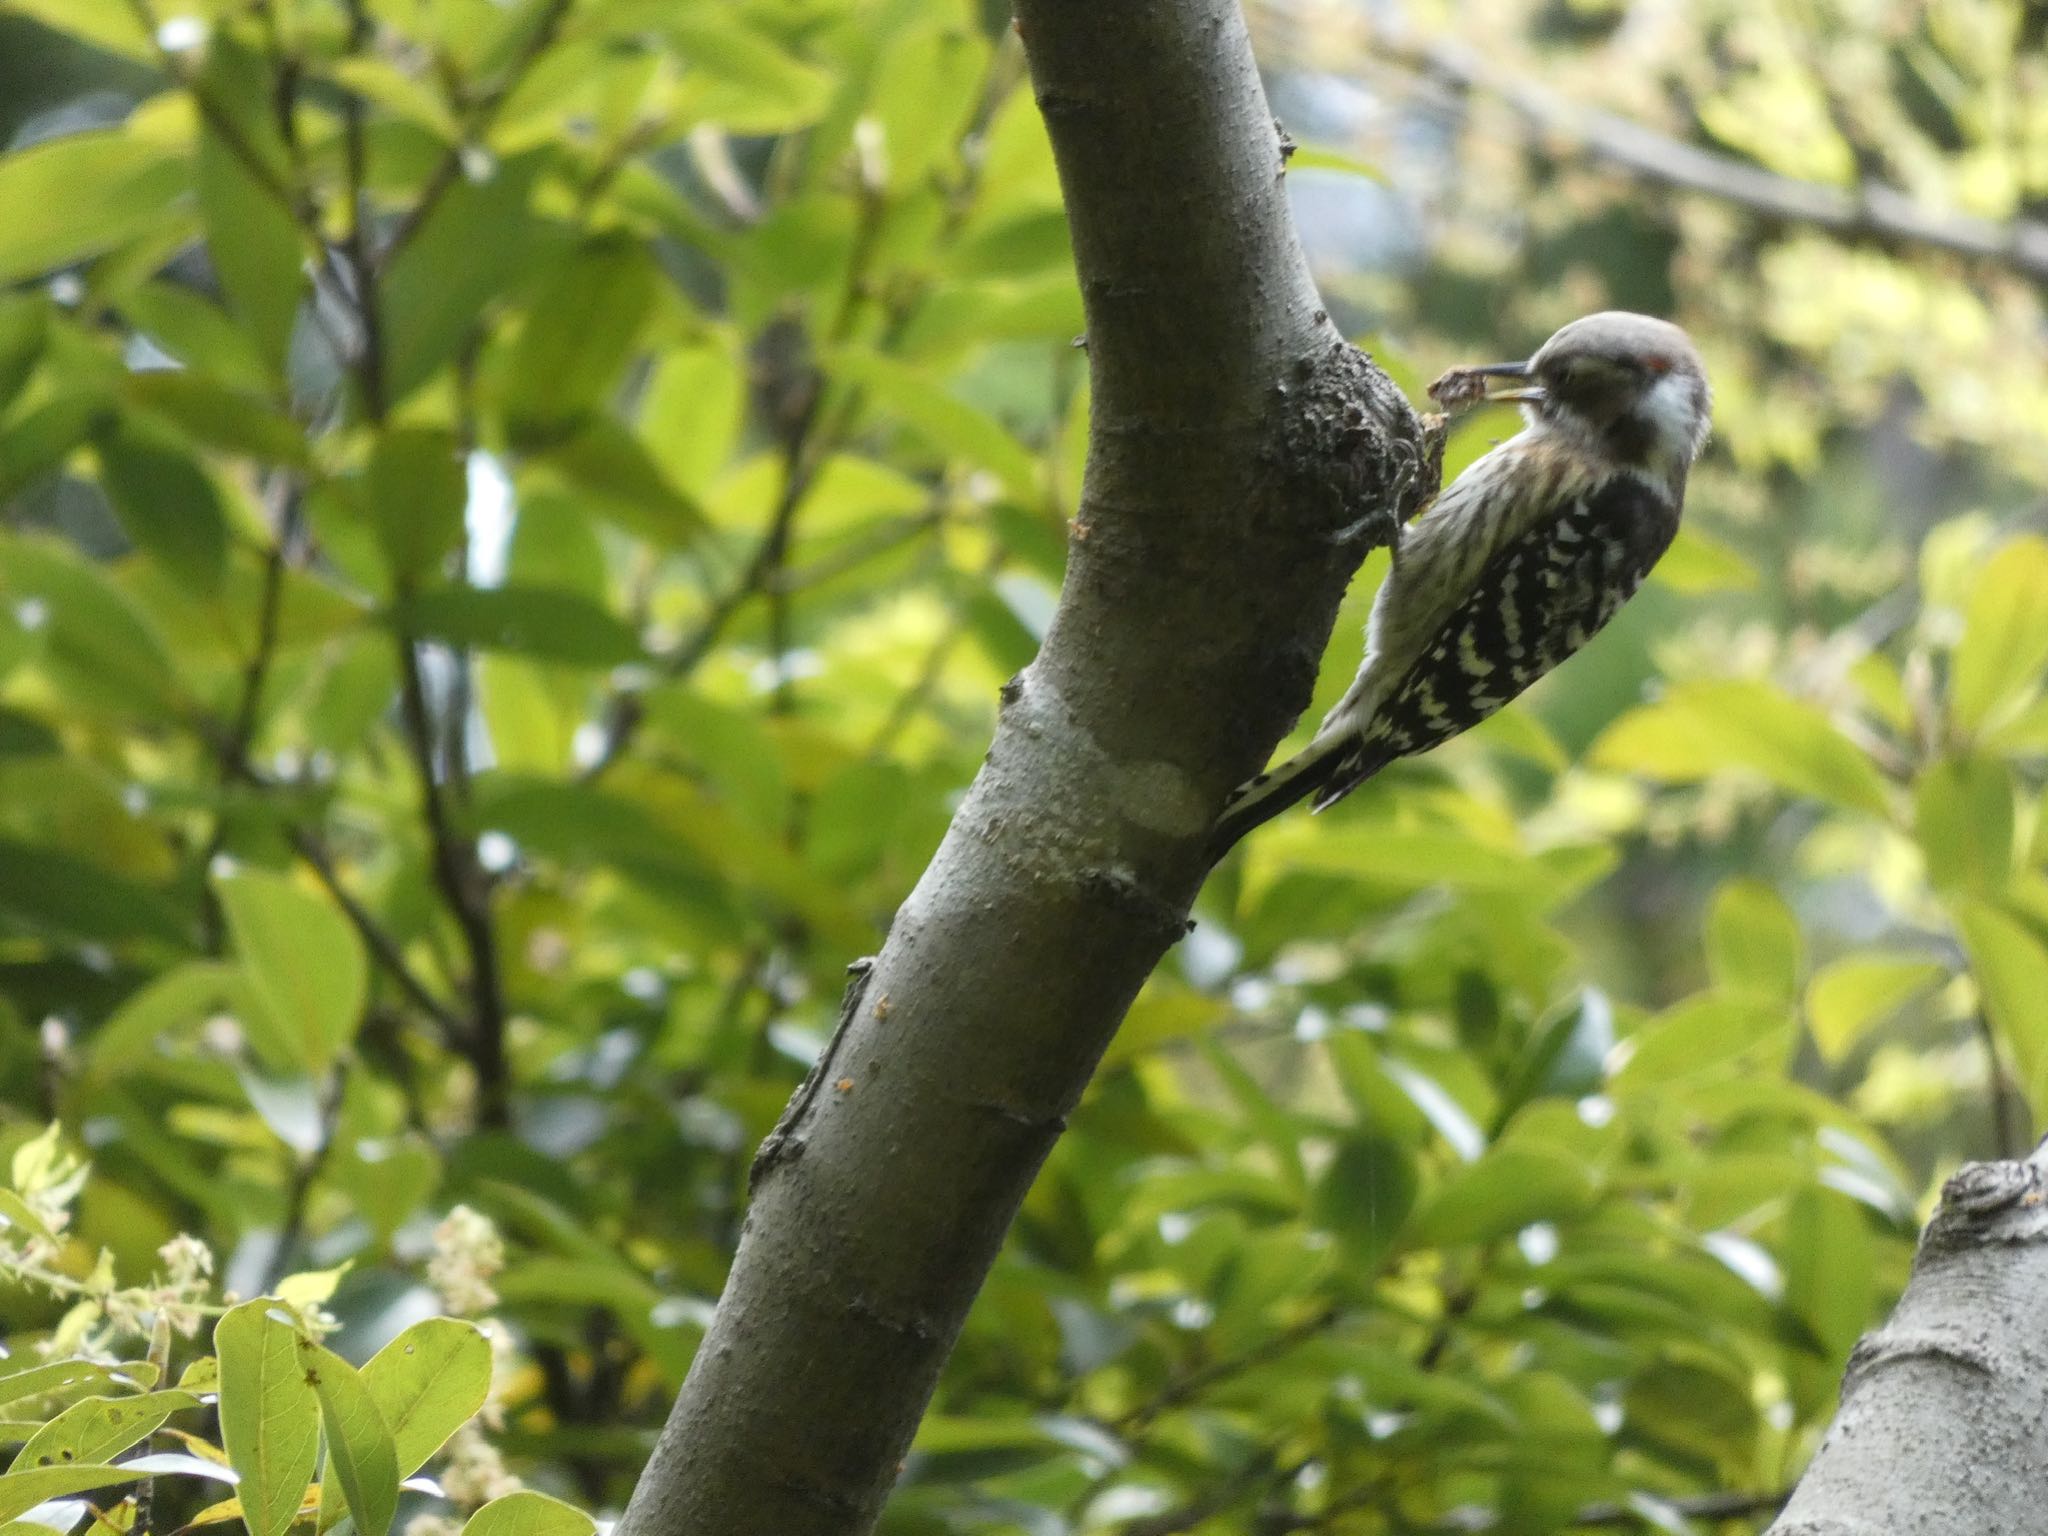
<point>1657,364</point>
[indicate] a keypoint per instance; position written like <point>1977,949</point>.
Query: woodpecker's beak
<point>1528,395</point>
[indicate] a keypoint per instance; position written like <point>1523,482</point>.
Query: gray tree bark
<point>1242,461</point>
<point>1944,1408</point>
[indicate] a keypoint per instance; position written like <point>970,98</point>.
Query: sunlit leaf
<point>305,963</point>
<point>74,197</point>
<point>361,1456</point>
<point>1852,994</point>
<point>1703,728</point>
<point>527,1513</point>
<point>1753,944</point>
<point>269,1417</point>
<point>427,1383</point>
<point>2004,648</point>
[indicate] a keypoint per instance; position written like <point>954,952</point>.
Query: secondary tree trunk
<point>1940,1432</point>
<point>1242,461</point>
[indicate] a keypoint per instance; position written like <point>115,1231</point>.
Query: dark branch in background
<point>1869,211</point>
<point>1199,1381</point>
<point>368,308</point>
<point>383,948</point>
<point>466,888</point>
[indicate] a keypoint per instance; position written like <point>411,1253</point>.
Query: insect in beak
<point>1529,394</point>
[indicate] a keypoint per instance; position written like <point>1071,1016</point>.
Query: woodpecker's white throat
<point>1521,560</point>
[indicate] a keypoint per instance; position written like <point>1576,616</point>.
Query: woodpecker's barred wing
<point>1539,599</point>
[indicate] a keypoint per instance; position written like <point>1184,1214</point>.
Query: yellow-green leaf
<point>1999,660</point>
<point>269,1418</point>
<point>361,1456</point>
<point>1850,995</point>
<point>74,197</point>
<point>305,963</point>
<point>427,1383</point>
<point>527,1513</point>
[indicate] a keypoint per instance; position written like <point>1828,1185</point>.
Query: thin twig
<point>383,948</point>
<point>369,358</point>
<point>466,889</point>
<point>1198,1381</point>
<point>485,110</point>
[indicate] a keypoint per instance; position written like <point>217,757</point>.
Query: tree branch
<point>1935,1431</point>
<point>1869,211</point>
<point>1242,460</point>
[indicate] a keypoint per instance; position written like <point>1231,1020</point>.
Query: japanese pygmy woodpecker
<point>1523,557</point>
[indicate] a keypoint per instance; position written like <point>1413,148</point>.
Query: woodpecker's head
<point>1629,387</point>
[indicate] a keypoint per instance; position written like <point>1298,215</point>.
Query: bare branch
<point>1869,211</point>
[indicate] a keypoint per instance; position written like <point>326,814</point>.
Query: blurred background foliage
<point>513,514</point>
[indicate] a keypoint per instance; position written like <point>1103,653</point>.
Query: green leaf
<point>416,487</point>
<point>738,78</point>
<point>1566,1055</point>
<point>1703,1033</point>
<point>1999,660</point>
<point>167,504</point>
<point>949,425</point>
<point>360,1453</point>
<point>603,464</point>
<point>427,1383</point>
<point>1503,1192</point>
<point>255,243</point>
<point>691,413</point>
<point>104,649</point>
<point>99,1427</point>
<point>115,28</point>
<point>1830,1274</point>
<point>1697,562</point>
<point>69,1377</point>
<point>580,328</point>
<point>51,891</point>
<point>470,247</point>
<point>22,1491</point>
<point>1850,995</point>
<point>1364,1196</point>
<point>218,416</point>
<point>1963,819</point>
<point>1753,946</point>
<point>1703,728</point>
<point>527,1513</point>
<point>269,1416</point>
<point>2011,969</point>
<point>305,963</point>
<point>541,622</point>
<point>1317,157</point>
<point>24,322</point>
<point>42,438</point>
<point>74,197</point>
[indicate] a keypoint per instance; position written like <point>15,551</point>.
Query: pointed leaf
<point>527,1513</point>
<point>360,1454</point>
<point>269,1417</point>
<point>427,1383</point>
<point>305,963</point>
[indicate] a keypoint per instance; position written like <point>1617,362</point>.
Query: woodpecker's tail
<point>1317,767</point>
